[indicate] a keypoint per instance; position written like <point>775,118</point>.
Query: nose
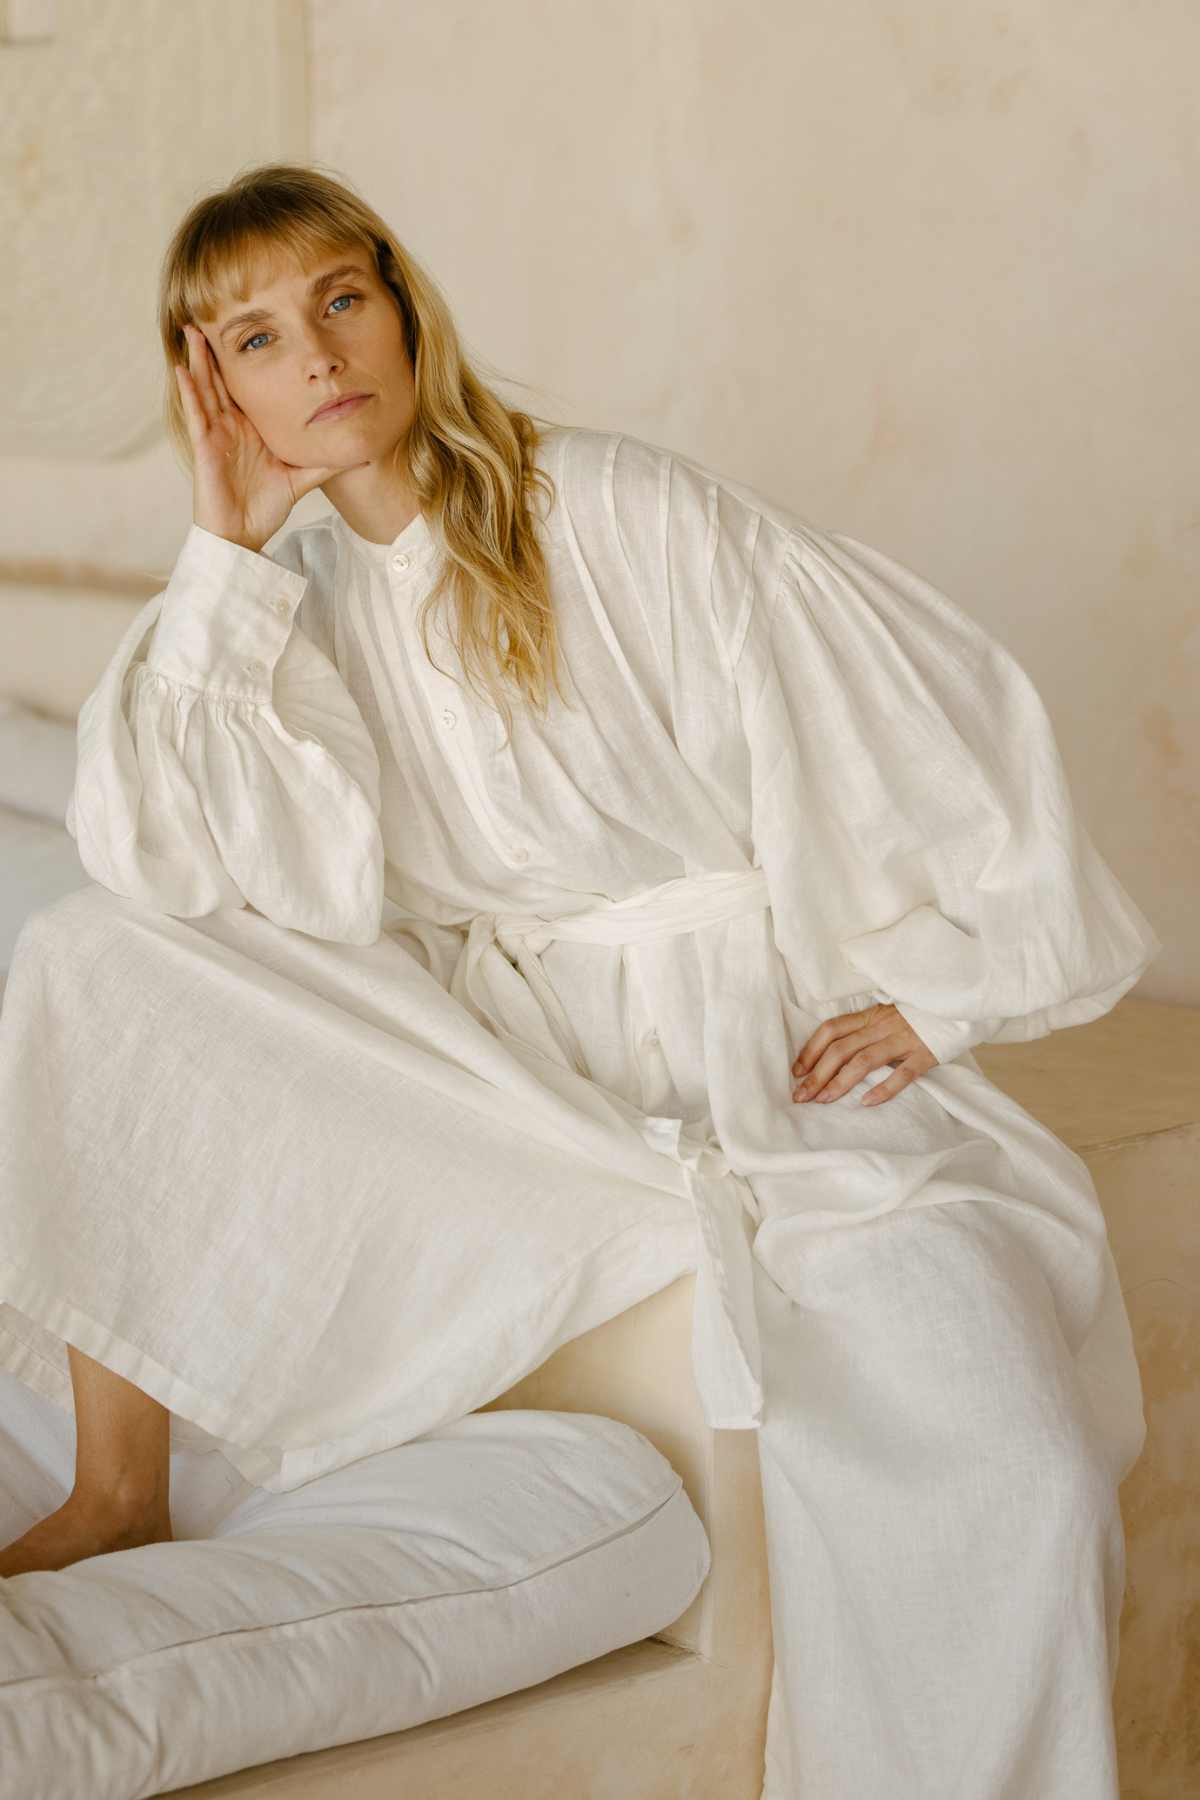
<point>320,356</point>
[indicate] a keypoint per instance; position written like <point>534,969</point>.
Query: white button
<point>449,719</point>
<point>399,561</point>
<point>520,855</point>
<point>280,605</point>
<point>651,1037</point>
<point>255,668</point>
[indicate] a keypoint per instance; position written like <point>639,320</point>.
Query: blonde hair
<point>470,457</point>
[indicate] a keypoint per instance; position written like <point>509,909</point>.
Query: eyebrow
<point>315,289</point>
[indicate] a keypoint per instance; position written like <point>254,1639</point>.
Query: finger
<point>812,1085</point>
<point>201,367</point>
<point>228,404</point>
<point>868,1025</point>
<point>837,1073</point>
<point>193,412</point>
<point>887,1090</point>
<point>827,1032</point>
<point>305,480</point>
<point>200,408</point>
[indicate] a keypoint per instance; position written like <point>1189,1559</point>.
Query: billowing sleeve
<point>221,761</point>
<point>912,812</point>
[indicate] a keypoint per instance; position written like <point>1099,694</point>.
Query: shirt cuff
<point>946,1038</point>
<point>226,615</point>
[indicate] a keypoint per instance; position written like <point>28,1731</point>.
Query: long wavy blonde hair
<point>470,457</point>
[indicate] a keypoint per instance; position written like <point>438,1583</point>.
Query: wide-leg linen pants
<point>945,1544</point>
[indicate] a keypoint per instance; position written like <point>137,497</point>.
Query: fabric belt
<point>682,904</point>
<point>725,1343</point>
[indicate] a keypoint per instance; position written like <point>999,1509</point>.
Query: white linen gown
<point>791,777</point>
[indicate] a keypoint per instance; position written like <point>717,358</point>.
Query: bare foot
<point>79,1529</point>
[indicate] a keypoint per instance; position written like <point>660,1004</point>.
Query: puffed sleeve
<point>221,761</point>
<point>912,811</point>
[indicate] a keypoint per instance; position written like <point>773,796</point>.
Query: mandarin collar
<point>415,544</point>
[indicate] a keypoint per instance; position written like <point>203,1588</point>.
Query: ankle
<point>123,1502</point>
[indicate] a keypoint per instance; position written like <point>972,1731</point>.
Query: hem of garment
<point>29,1297</point>
<point>259,1461</point>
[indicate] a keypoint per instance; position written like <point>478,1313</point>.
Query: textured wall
<point>114,116</point>
<point>925,273</point>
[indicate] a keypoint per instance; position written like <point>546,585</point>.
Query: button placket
<point>454,722</point>
<point>465,751</point>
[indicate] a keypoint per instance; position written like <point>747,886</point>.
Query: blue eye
<point>247,343</point>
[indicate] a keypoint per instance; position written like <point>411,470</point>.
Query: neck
<point>375,501</point>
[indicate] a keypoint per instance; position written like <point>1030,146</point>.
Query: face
<point>315,334</point>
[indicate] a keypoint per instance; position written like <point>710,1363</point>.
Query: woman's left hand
<point>845,1048</point>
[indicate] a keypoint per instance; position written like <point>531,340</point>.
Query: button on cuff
<point>224,617</point>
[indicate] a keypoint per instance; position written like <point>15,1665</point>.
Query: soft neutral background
<point>927,274</point>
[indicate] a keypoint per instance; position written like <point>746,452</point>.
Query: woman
<point>797,838</point>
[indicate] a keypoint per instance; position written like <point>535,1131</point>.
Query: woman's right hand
<point>240,489</point>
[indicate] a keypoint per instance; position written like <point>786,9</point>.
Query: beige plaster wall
<point>925,273</point>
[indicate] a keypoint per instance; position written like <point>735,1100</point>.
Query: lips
<point>345,403</point>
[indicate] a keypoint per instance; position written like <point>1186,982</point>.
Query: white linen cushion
<point>482,1558</point>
